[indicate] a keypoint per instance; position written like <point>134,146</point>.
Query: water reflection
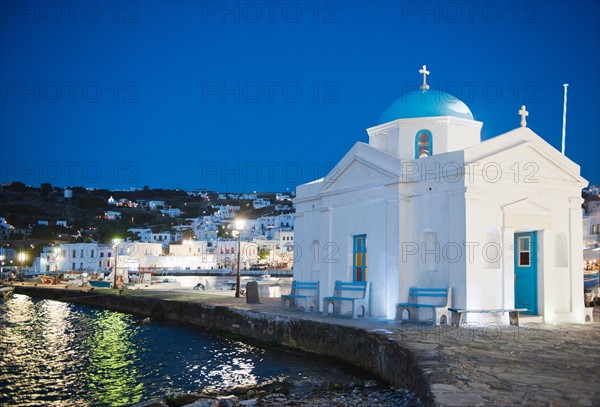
<point>113,360</point>
<point>234,366</point>
<point>66,355</point>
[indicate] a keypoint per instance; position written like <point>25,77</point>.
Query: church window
<point>423,144</point>
<point>360,258</point>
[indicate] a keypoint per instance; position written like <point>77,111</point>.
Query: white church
<point>426,203</point>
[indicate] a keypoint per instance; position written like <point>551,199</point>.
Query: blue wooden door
<point>526,272</point>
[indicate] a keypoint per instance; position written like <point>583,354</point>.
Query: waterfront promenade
<point>534,364</point>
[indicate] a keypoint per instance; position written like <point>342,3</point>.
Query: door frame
<point>533,250</point>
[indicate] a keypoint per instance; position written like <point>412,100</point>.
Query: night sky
<point>242,96</point>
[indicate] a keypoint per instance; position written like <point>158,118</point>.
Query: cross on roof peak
<point>425,72</point>
<point>523,113</point>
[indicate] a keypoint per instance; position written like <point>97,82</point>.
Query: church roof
<point>426,103</point>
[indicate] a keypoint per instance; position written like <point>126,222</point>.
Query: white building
<point>226,211</point>
<point>135,256</point>
<point>206,228</point>
<point>210,255</point>
<point>172,212</point>
<point>264,224</point>
<point>498,221</point>
<point>5,229</point>
<point>76,257</point>
<point>153,205</point>
<point>145,235</point>
<point>591,235</point>
<point>260,203</point>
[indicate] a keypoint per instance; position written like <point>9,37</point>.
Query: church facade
<point>426,203</point>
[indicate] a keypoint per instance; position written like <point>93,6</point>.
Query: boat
<point>99,284</point>
<point>590,278</point>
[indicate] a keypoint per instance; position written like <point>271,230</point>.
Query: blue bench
<point>513,314</point>
<point>357,294</point>
<point>302,291</point>
<point>436,299</point>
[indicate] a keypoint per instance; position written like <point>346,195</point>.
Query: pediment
<point>355,174</point>
<point>523,157</point>
<point>524,206</point>
<point>526,214</point>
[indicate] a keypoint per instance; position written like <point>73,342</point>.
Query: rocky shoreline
<point>283,392</point>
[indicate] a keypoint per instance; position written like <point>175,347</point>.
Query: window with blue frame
<point>360,258</point>
<point>423,144</point>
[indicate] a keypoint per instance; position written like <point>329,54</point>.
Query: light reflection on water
<point>60,354</point>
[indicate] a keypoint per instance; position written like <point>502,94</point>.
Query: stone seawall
<point>369,350</point>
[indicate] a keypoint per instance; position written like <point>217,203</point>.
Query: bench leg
<point>513,317</point>
<point>456,318</point>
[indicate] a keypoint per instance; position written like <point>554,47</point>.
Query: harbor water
<point>60,354</point>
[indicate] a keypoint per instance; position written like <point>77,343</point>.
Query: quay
<point>531,364</point>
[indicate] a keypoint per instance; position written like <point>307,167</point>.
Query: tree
<point>263,252</point>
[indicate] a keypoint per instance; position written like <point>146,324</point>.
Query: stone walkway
<point>534,364</point>
<point>501,365</point>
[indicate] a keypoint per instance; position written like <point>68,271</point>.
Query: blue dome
<point>426,103</point>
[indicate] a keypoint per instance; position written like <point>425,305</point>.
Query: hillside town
<point>96,231</point>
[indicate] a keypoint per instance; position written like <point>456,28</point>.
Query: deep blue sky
<point>179,105</point>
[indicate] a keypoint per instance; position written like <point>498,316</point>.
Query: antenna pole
<point>564,129</point>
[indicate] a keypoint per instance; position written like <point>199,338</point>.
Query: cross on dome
<point>523,113</point>
<point>425,72</point>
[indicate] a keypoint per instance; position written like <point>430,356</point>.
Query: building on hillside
<point>260,203</point>
<point>112,215</point>
<point>172,212</point>
<point>154,205</point>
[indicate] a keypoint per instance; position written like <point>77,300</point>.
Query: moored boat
<point>99,284</point>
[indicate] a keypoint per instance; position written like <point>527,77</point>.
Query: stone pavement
<point>502,365</point>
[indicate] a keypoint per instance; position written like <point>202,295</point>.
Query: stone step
<point>526,319</point>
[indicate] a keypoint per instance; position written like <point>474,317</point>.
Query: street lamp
<point>116,247</point>
<point>21,259</point>
<point>239,226</point>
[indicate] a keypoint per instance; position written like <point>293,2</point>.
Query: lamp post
<point>116,246</point>
<point>21,259</point>
<point>239,226</point>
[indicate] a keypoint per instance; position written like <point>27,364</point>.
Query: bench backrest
<point>305,288</point>
<point>351,289</point>
<point>431,296</point>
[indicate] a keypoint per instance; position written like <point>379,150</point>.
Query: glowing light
<point>240,223</point>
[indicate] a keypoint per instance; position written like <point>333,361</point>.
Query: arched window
<point>423,144</point>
